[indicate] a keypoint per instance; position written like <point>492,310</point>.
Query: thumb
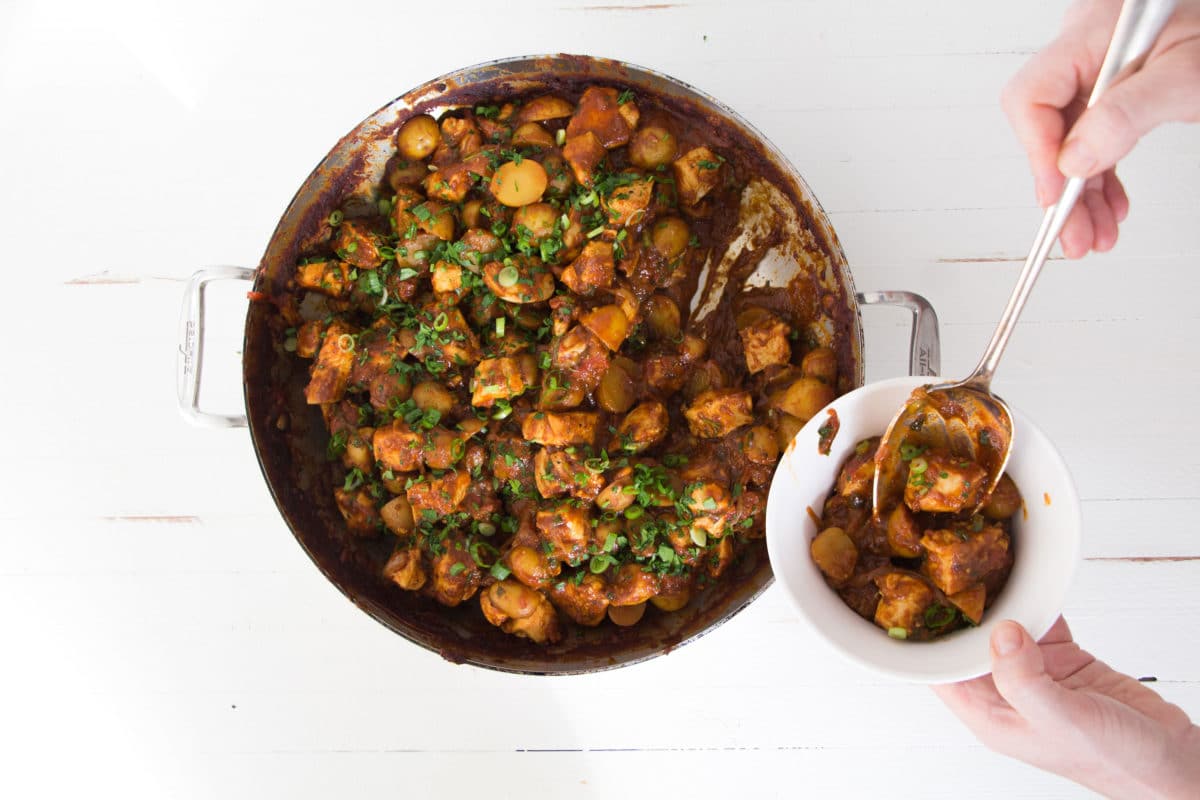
<point>1107,131</point>
<point>1019,673</point>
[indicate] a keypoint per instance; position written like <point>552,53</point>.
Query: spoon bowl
<point>955,417</point>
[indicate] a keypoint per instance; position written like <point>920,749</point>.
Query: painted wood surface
<point>164,635</point>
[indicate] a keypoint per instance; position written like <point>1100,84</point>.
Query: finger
<point>1114,193</point>
<point>1076,236</point>
<point>1033,101</point>
<point>1104,223</point>
<point>1020,675</point>
<point>1110,128</point>
<point>1059,632</point>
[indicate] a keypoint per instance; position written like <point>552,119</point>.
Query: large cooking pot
<point>784,234</point>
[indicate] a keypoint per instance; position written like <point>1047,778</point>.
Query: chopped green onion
<point>910,451</point>
<point>918,466</point>
<point>560,137</point>
<point>633,512</point>
<point>486,529</point>
<point>698,536</point>
<point>441,321</point>
<point>499,571</point>
<point>503,410</point>
<point>600,562</point>
<point>499,326</point>
<point>289,344</point>
<point>594,232</point>
<point>508,277</point>
<point>898,633</point>
<point>564,221</point>
<point>346,343</point>
<point>336,217</point>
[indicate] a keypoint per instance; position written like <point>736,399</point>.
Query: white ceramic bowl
<point>1046,542</point>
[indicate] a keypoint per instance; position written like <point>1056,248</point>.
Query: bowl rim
<point>1048,606</point>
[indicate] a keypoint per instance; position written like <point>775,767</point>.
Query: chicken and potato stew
<point>502,354</point>
<point>925,567</point>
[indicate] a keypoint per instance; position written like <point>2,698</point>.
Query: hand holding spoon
<point>964,417</point>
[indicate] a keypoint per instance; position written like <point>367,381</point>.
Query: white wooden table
<point>163,634</point>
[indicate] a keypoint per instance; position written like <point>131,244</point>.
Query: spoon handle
<point>1137,28</point>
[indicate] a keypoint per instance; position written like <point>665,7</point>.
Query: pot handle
<point>191,348</point>
<point>925,348</point>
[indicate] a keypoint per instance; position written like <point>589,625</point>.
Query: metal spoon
<point>964,417</point>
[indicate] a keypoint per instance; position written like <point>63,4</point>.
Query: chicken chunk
<point>359,511</point>
<point>903,600</point>
<point>566,528</point>
<point>697,172</point>
<point>764,339</point>
<point>405,569</point>
<point>585,602</point>
<point>599,113</point>
<point>357,246</point>
<point>454,577</point>
<point>626,205</point>
<point>943,483</point>
<point>581,357</point>
<point>436,496</point>
<point>398,447</point>
<point>958,559</point>
<point>561,428</point>
<point>584,153</point>
<point>718,411</point>
<point>633,585</point>
<point>558,472</point>
<point>643,427</point>
<point>501,379</point>
<point>521,611</point>
<point>331,372</point>
<point>328,277</point>
<point>592,270</point>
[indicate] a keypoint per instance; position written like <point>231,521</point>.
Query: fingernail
<point>1076,159</point>
<point>1006,639</point>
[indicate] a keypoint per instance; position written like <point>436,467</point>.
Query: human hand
<point>1053,705</point>
<point>1050,92</point>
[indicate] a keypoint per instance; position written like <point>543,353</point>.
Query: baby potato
<point>616,393</point>
<point>530,134</point>
<point>669,237</point>
<point>519,184</point>
<point>626,616</point>
<point>760,446</point>
<point>803,398</point>
<point>662,316</point>
<point>672,601</point>
<point>358,450</point>
<point>397,514</point>
<point>538,218</point>
<point>608,323</point>
<point>418,137</point>
<point>820,363</point>
<point>903,534</point>
<point>545,107</point>
<point>652,146</point>
<point>834,553</point>
<point>1004,500</point>
<point>428,394</point>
